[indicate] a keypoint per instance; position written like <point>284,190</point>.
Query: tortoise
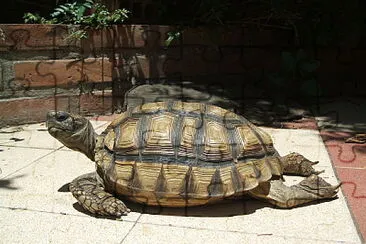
<point>179,154</point>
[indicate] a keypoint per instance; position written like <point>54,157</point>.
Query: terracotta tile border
<point>349,162</point>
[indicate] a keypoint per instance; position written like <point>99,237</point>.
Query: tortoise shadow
<point>226,208</point>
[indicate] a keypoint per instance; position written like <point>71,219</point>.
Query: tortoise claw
<point>336,187</point>
<point>113,207</point>
<point>318,172</point>
<point>319,187</point>
<point>314,163</point>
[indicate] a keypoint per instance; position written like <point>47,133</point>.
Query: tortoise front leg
<point>310,189</point>
<point>296,164</point>
<point>93,198</point>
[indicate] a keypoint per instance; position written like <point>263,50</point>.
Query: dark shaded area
<point>12,12</point>
<point>16,139</point>
<point>64,188</point>
<point>42,130</point>
<point>7,183</point>
<point>259,110</point>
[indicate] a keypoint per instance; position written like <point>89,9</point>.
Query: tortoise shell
<point>183,154</point>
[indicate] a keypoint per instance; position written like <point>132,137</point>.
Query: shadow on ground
<point>7,183</point>
<point>226,208</point>
<point>261,107</point>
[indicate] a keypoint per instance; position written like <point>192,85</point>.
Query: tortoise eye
<point>61,116</point>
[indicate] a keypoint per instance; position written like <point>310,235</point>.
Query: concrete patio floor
<point>36,207</point>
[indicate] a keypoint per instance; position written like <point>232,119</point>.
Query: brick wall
<point>40,70</point>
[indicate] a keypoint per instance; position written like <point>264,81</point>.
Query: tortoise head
<point>73,131</point>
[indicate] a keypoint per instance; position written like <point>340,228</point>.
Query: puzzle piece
<point>355,189</point>
<point>30,37</point>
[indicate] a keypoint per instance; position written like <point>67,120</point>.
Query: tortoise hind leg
<point>93,198</point>
<point>296,164</point>
<point>310,189</point>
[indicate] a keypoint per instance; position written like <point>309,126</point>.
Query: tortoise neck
<point>86,138</point>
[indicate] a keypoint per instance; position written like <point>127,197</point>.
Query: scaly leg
<point>296,164</point>
<point>310,189</point>
<point>93,198</point>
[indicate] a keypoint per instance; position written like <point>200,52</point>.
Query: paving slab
<point>27,226</point>
<point>39,177</point>
<point>148,233</point>
<point>15,159</point>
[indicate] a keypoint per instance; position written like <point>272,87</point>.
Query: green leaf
<point>80,12</point>
<point>32,18</point>
<point>65,7</point>
<point>172,35</point>
<point>59,10</point>
<point>169,40</point>
<point>88,4</point>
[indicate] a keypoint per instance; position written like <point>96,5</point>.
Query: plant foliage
<point>86,14</point>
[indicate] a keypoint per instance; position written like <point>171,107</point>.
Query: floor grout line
<point>25,166</point>
<point>229,231</point>
<point>129,231</point>
<point>60,213</point>
<point>31,147</point>
<point>172,225</point>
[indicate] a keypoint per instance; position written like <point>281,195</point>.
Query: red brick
<point>32,110</point>
<point>97,103</point>
<point>141,67</point>
<point>28,110</point>
<point>33,37</point>
<point>51,73</point>
<point>51,37</point>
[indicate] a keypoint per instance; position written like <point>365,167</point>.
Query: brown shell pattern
<point>184,154</point>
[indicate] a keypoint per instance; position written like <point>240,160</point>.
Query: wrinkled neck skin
<point>87,138</point>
